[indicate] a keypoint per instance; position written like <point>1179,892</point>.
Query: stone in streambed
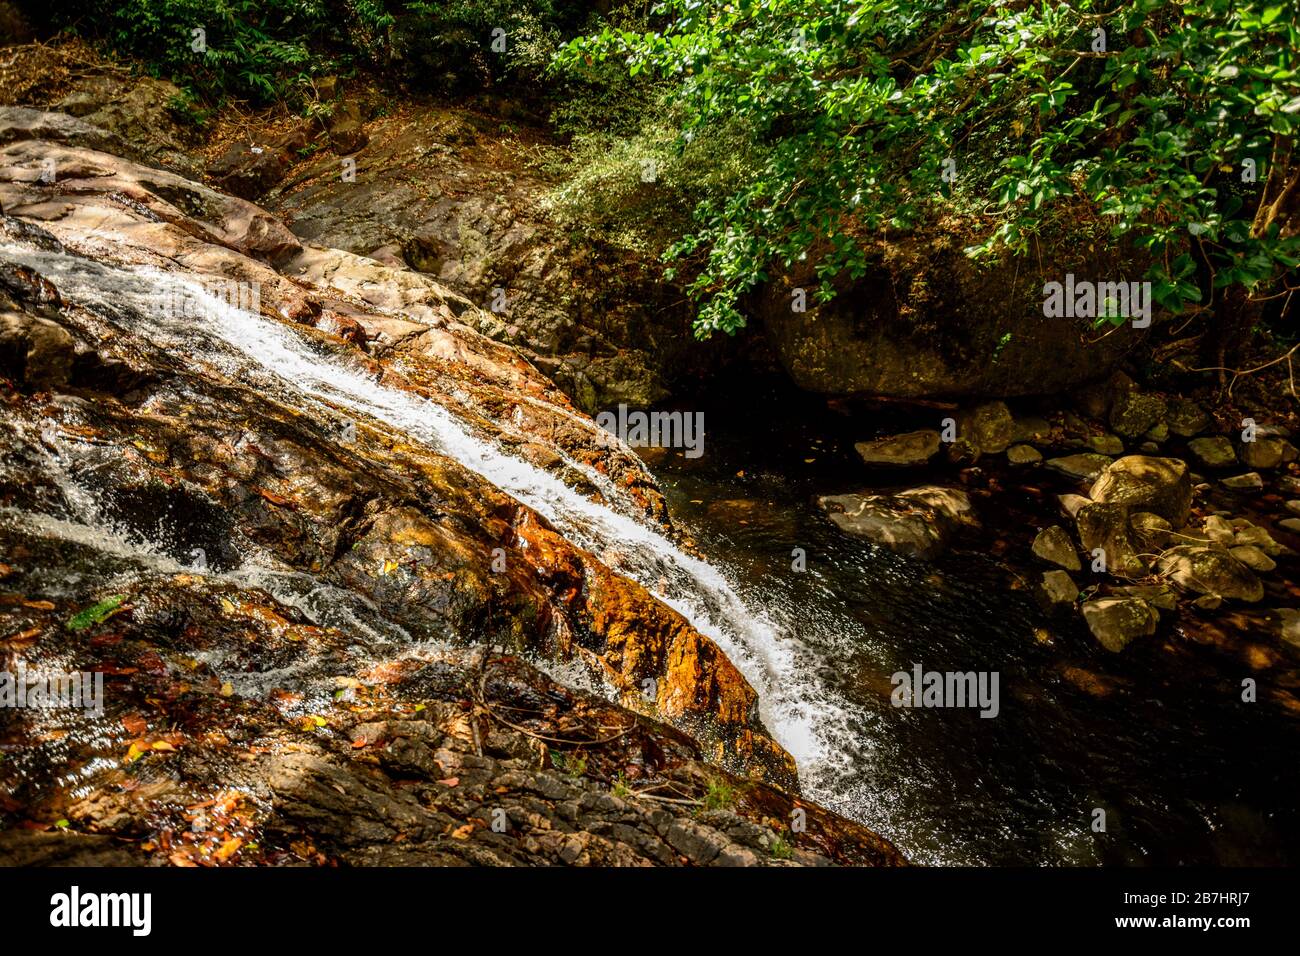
<point>1253,536</point>
<point>1159,596</point>
<point>1136,412</point>
<point>1023,455</point>
<point>1161,486</point>
<point>1057,590</point>
<point>1250,481</point>
<point>1151,532</point>
<point>1117,621</point>
<point>1210,571</point>
<point>989,427</point>
<point>1185,418</point>
<point>1219,530</point>
<point>1105,526</point>
<point>1106,444</point>
<point>1252,557</point>
<point>1085,466</point>
<point>1267,452</point>
<point>919,522</point>
<point>1213,452</point>
<point>1054,546</point>
<point>1070,504</point>
<point>909,450</point>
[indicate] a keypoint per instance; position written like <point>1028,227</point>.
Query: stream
<point>1184,772</point>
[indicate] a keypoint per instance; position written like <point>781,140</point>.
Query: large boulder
<point>927,320</point>
<point>1210,571</point>
<point>920,522</point>
<point>1161,486</point>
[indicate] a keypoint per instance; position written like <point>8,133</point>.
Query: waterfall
<point>811,722</point>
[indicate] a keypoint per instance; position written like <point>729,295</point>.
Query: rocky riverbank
<point>250,482</point>
<point>1146,515</point>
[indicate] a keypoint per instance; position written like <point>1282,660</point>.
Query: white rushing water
<point>813,724</point>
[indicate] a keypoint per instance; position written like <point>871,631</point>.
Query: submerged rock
<point>921,522</point>
<point>1023,455</point>
<point>1250,481</point>
<point>1085,466</point>
<point>909,450</point>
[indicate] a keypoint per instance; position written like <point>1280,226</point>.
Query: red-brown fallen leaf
<point>450,782</point>
<point>135,725</point>
<point>179,858</point>
<point>23,637</point>
<point>271,496</point>
<point>462,833</point>
<point>358,744</point>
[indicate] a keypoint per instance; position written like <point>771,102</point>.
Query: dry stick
<point>1237,373</point>
<point>481,702</point>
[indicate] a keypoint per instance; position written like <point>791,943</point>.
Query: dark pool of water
<point>1157,736</point>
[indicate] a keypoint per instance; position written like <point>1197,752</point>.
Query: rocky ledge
<point>291,600</point>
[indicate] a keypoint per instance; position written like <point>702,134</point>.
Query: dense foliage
<point>1175,123</point>
<point>265,50</point>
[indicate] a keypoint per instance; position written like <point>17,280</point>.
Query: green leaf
<point>96,613</point>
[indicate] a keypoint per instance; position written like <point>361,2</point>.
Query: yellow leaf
<point>227,689</point>
<point>228,849</point>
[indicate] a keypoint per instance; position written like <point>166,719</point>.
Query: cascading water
<point>819,728</point>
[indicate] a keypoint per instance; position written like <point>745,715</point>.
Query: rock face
<point>920,522</point>
<point>273,550</point>
<point>1161,486</point>
<point>1116,622</point>
<point>1210,571</point>
<point>437,189</point>
<point>929,321</point>
<point>909,450</point>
